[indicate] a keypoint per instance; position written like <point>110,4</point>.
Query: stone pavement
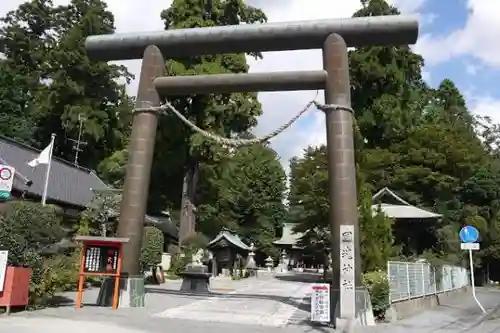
<point>264,305</point>
<point>249,304</point>
<point>267,302</point>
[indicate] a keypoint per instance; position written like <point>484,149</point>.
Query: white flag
<point>44,156</point>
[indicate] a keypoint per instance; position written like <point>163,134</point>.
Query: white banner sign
<point>347,271</point>
<point>320,303</point>
<point>3,268</point>
<point>469,246</point>
<point>6,178</point>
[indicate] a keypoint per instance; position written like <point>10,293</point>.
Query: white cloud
<point>488,106</point>
<point>477,38</point>
<point>135,16</point>
<point>280,106</point>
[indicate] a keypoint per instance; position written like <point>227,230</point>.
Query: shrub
<point>190,246</point>
<point>179,263</point>
<point>59,273</point>
<point>27,229</point>
<point>151,248</point>
<point>378,288</point>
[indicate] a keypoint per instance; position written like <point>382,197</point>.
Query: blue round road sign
<point>469,234</point>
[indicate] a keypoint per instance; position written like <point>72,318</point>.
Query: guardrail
<point>415,279</point>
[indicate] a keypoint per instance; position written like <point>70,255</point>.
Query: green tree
<point>386,85</point>
<point>419,141</point>
<point>152,248</point>
<point>26,37</point>
<point>82,88</point>
<point>44,46</point>
<point>376,234</point>
<point>15,107</point>
<point>244,192</point>
<point>309,191</point>
<point>178,147</point>
<point>309,199</point>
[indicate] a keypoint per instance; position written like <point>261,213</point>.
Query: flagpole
<point>47,175</point>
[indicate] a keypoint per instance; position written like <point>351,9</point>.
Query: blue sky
<point>458,40</point>
<point>440,19</point>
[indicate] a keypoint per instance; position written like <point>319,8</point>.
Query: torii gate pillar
<point>333,36</point>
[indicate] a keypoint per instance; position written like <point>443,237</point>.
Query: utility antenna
<point>77,143</point>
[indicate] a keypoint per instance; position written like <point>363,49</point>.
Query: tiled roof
<point>67,183</point>
<point>163,223</point>
<point>391,205</point>
<point>387,196</point>
<point>231,238</point>
<point>395,207</point>
<point>405,212</point>
<point>288,237</point>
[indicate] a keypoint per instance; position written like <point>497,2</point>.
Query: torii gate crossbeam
<point>332,36</point>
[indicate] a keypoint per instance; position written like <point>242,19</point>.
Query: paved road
<point>250,304</point>
<point>460,316</point>
<point>268,302</point>
<point>264,305</point>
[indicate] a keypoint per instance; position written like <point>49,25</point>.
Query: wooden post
<point>116,292</point>
<point>101,263</point>
<point>81,278</point>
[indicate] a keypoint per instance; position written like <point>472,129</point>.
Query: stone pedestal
<point>283,264</point>
<point>269,264</point>
<point>364,311</point>
<point>132,292</point>
<point>251,266</point>
<point>196,279</point>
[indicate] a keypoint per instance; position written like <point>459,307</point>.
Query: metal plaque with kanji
<point>101,259</point>
<point>347,272</point>
<point>320,303</point>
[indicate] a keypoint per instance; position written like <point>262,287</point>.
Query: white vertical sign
<point>347,270</point>
<point>3,268</point>
<point>320,303</point>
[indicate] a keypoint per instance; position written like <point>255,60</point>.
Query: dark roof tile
<point>67,183</point>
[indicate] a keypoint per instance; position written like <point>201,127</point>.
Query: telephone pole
<point>77,143</point>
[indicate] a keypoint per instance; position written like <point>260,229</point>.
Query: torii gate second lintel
<point>332,36</point>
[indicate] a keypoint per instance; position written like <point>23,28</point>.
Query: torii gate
<point>333,36</point>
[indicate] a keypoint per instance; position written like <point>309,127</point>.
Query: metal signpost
<point>469,236</point>
<point>6,180</point>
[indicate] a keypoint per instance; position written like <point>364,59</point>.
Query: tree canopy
<point>420,141</point>
<point>50,85</point>
<point>57,84</point>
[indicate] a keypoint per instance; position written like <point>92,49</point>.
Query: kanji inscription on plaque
<point>347,272</point>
